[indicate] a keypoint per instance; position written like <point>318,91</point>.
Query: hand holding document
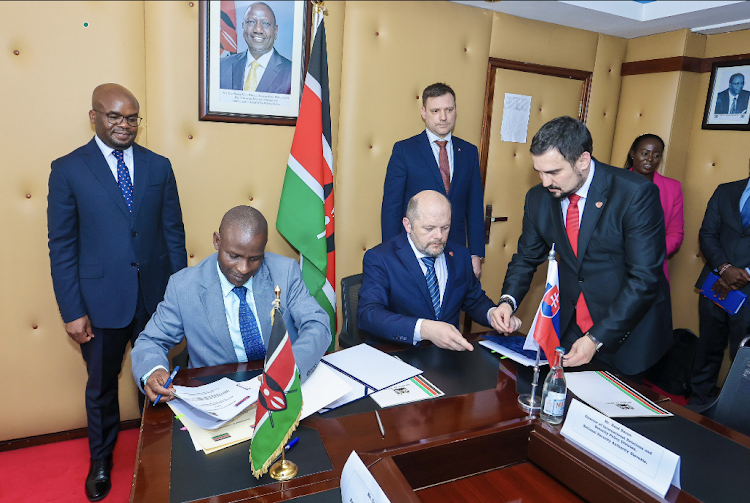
<point>222,399</point>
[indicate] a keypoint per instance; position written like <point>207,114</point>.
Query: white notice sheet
<point>222,399</point>
<point>516,112</point>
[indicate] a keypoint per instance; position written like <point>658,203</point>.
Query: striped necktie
<point>432,284</point>
<point>251,338</point>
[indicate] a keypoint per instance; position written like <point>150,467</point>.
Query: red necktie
<point>583,317</point>
<point>445,170</point>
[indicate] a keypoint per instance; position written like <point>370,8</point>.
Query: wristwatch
<point>595,341</point>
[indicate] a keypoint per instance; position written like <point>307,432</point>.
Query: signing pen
<point>169,382</point>
<point>288,446</point>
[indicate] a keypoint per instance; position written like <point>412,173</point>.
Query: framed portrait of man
<point>252,60</point>
<point>728,100</point>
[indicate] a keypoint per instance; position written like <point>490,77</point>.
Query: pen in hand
<point>168,383</point>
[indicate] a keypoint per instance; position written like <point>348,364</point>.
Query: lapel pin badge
<point>450,253</point>
<point>599,204</point>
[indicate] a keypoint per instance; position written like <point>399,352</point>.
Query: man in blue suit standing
<point>260,68</point>
<point>115,236</point>
<point>437,160</point>
<point>416,284</point>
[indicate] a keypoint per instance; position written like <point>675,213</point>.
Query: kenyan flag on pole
<point>279,399</point>
<point>305,216</point>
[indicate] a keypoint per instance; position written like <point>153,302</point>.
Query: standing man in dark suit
<point>115,237</point>
<point>437,160</point>
<point>725,242</point>
<point>416,284</point>
<point>614,298</point>
<point>733,100</point>
<point>260,68</point>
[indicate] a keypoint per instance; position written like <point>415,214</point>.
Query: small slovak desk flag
<point>545,331</point>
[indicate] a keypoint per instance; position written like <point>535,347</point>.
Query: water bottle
<point>554,391</point>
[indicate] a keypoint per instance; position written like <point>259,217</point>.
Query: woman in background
<point>644,158</point>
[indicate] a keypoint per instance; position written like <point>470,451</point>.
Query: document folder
<point>734,301</point>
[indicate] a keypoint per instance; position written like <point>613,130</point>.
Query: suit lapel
<point>429,157</point>
<point>458,163</point>
<point>94,159</point>
<point>212,299</point>
<point>735,195</point>
<point>450,263</point>
<point>238,71</point>
<point>140,173</point>
<point>596,200</point>
<point>264,295</point>
<point>272,70</point>
<point>407,257</point>
<point>562,243</point>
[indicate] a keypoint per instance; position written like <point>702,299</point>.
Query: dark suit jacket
<point>413,168</point>
<point>724,102</point>
<point>722,238</point>
<point>98,248</point>
<point>394,291</point>
<point>621,248</point>
<point>277,78</point>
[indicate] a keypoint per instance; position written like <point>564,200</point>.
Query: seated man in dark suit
<point>222,307</point>
<point>733,100</point>
<point>260,68</point>
<point>416,284</point>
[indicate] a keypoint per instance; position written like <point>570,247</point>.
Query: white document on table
<point>412,390</point>
<point>358,485</point>
<point>239,429</point>
<point>625,450</point>
<point>222,399</point>
<point>516,113</point>
<point>366,370</point>
<point>610,396</point>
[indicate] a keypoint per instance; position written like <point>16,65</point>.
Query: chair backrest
<point>350,334</point>
<point>733,404</point>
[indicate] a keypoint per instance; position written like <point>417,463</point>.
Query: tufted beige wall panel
<point>510,174</point>
<point>542,43</point>
<point>388,60</point>
<point>605,94</point>
<point>47,95</point>
<point>662,45</point>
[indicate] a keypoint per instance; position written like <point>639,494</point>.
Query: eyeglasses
<point>115,119</point>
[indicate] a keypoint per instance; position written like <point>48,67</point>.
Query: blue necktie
<point>123,179</point>
<point>251,339</point>
<point>432,284</point>
<point>745,214</point>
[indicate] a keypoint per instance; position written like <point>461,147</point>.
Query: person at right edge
<point>725,243</point>
<point>615,307</point>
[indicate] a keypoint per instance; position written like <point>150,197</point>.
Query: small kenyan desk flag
<point>279,400</point>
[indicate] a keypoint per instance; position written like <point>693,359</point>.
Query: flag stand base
<point>529,403</point>
<point>283,469</point>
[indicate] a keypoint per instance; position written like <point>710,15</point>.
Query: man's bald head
<point>246,219</point>
<point>111,107</point>
<point>428,221</point>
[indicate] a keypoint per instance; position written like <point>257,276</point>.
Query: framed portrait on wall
<point>252,60</point>
<point>728,97</point>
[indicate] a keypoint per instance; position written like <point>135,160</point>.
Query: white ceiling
<point>629,19</point>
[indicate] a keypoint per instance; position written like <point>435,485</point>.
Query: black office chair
<point>732,407</point>
<point>350,334</point>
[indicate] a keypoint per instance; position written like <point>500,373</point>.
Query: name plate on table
<point>629,452</point>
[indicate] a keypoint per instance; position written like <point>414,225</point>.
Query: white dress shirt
<point>436,148</point>
<point>262,61</point>
<point>107,152</point>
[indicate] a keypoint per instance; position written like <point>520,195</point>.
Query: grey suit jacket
<point>276,79</point>
<point>193,308</point>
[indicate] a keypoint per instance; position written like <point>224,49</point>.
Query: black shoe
<point>98,482</point>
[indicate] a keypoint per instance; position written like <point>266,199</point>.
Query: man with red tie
<point>608,228</point>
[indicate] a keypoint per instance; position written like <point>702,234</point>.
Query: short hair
<point>248,219</point>
<point>412,209</point>
<point>436,90</point>
<point>565,134</point>
<point>263,4</point>
<point>736,75</point>
<point>646,136</point>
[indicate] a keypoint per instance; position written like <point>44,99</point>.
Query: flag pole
<point>527,401</point>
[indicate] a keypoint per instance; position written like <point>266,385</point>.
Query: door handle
<point>488,219</point>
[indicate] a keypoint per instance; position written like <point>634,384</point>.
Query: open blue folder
<point>734,301</point>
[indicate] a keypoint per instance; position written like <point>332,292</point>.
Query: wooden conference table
<point>475,444</point>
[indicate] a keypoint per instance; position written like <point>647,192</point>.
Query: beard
<point>580,180</point>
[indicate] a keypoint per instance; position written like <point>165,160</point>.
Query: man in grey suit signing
<point>223,307</point>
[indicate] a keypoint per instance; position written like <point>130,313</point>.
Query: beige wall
<point>380,59</point>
